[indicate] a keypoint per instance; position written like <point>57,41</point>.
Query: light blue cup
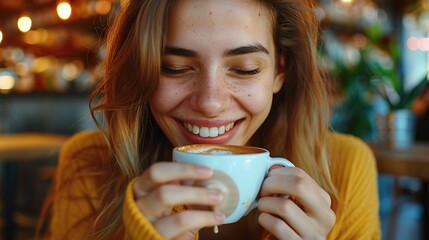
<point>238,173</point>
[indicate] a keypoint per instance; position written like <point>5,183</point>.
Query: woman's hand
<point>158,190</point>
<point>306,214</point>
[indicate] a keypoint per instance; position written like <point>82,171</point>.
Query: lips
<point>208,132</point>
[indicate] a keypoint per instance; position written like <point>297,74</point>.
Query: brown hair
<point>300,112</point>
<point>298,120</point>
<point>132,68</point>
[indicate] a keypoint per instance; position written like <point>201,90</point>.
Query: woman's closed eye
<point>173,70</point>
<point>246,72</point>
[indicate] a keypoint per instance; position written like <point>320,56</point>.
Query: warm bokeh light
<point>70,71</point>
<point>24,23</point>
<point>32,37</point>
<point>42,64</point>
<point>22,69</point>
<point>1,36</point>
<point>346,1</point>
<point>103,7</point>
<point>39,36</point>
<point>64,10</point>
<point>6,83</point>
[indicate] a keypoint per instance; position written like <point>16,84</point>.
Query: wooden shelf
<point>79,37</point>
<point>83,94</point>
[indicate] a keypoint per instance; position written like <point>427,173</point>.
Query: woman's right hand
<point>159,189</point>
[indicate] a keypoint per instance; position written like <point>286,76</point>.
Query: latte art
<point>210,150</point>
<point>219,149</point>
<point>238,173</point>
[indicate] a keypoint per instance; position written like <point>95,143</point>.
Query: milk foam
<point>219,149</point>
<point>220,152</point>
<point>210,150</point>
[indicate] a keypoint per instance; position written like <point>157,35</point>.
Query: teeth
<point>195,130</point>
<point>208,132</point>
<point>213,132</point>
<point>221,130</point>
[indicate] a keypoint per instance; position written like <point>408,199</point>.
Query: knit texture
<point>83,158</point>
<point>133,219</point>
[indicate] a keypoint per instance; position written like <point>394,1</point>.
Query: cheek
<point>257,100</point>
<point>164,99</point>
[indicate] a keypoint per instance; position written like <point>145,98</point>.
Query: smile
<point>206,132</point>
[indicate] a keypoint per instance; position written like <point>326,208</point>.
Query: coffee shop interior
<point>376,54</point>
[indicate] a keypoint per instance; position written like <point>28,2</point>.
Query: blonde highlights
<point>299,117</point>
<point>295,128</point>
<point>132,68</point>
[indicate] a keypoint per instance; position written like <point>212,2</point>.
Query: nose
<point>210,95</point>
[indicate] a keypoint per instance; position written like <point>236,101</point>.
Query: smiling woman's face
<point>218,72</point>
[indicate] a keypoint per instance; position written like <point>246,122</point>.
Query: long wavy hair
<point>295,128</point>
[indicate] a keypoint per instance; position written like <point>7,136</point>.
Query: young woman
<point>238,72</point>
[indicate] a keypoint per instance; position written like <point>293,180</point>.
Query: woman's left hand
<point>305,214</point>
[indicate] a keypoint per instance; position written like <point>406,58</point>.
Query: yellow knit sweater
<point>83,167</point>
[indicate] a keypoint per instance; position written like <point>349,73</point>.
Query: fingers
<point>288,216</point>
<point>307,212</point>
<point>287,211</point>
<point>156,203</point>
<point>277,227</point>
<point>164,172</point>
<point>159,189</point>
<point>186,221</point>
<point>295,182</point>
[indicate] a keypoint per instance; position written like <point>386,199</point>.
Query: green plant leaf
<point>412,95</point>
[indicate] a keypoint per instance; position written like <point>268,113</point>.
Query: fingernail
<point>220,217</point>
<point>203,170</point>
<point>215,195</point>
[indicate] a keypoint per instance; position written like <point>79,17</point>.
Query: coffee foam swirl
<point>218,149</point>
<point>210,150</point>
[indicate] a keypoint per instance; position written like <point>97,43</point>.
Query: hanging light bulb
<point>24,23</point>
<point>103,7</point>
<point>6,83</point>
<point>64,10</point>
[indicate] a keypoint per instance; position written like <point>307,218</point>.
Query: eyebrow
<point>180,52</point>
<point>251,48</point>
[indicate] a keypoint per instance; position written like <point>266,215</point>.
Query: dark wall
<point>51,113</point>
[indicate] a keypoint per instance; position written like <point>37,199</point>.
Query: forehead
<point>218,20</point>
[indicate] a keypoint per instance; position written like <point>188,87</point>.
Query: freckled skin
<point>211,90</point>
<point>219,73</point>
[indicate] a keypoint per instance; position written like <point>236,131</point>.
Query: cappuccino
<point>238,172</point>
<point>219,149</point>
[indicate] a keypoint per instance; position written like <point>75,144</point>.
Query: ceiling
<point>11,7</point>
<point>78,37</point>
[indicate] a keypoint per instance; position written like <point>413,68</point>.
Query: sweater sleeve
<point>136,225</point>
<point>74,201</point>
<point>354,173</point>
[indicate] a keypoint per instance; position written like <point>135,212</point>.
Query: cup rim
<point>258,150</point>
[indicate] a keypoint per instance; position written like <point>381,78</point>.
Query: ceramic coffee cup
<point>238,173</point>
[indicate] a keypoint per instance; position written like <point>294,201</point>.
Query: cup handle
<point>280,161</point>
<point>273,161</point>
<point>285,163</point>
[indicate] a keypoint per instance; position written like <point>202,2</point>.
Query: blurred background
<point>375,54</point>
